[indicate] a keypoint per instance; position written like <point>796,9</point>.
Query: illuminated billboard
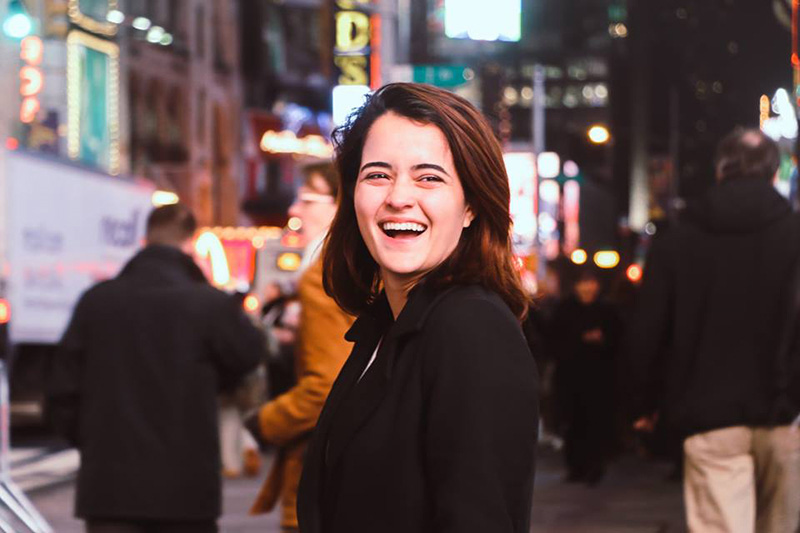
<point>496,20</point>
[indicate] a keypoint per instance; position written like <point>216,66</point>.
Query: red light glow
<point>634,273</point>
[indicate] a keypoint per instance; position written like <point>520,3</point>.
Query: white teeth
<point>403,226</point>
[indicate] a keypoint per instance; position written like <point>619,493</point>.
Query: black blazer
<point>439,435</point>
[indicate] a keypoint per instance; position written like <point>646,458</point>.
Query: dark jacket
<point>713,300</point>
<point>134,385</point>
<point>439,434</point>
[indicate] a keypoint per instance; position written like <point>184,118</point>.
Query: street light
<point>17,23</point>
<point>599,134</point>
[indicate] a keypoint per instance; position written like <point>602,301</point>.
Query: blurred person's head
<point>587,287</point>
<point>315,204</point>
<point>171,225</point>
<point>746,154</point>
<point>424,195</point>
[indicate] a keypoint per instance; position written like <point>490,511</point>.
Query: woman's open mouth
<point>403,230</point>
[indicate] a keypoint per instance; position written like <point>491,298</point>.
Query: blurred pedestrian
<point>431,425</point>
<point>713,300</point>
<point>280,318</point>
<point>585,334</point>
<point>319,354</point>
<point>134,387</point>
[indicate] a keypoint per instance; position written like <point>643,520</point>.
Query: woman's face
<point>409,201</point>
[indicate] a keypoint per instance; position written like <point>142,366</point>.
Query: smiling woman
<point>431,424</point>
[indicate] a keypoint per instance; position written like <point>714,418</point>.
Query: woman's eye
<point>431,179</point>
<point>375,176</point>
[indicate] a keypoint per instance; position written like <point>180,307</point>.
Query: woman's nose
<point>401,194</point>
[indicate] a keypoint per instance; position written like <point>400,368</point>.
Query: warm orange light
<point>28,109</point>
<point>599,134</point>
<point>5,311</point>
<point>291,240</point>
<point>31,50</point>
<point>31,81</point>
<point>12,143</point>
<point>634,273</point>
<point>289,261</point>
<point>606,259</point>
<point>579,256</point>
<point>251,303</point>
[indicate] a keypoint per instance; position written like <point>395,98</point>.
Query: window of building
<point>200,31</point>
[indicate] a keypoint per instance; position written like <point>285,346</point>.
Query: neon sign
<point>209,246</point>
<point>352,50</point>
<point>31,77</point>
<point>286,142</point>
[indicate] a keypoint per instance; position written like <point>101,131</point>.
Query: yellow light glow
<point>160,198</point>
<point>599,134</point>
<point>352,31</point>
<point>286,142</point>
<point>251,303</point>
<point>208,245</point>
<point>606,259</point>
<point>764,107</point>
<point>579,256</point>
<point>294,223</point>
<point>258,242</point>
<point>289,261</point>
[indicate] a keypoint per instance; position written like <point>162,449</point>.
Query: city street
<point>635,497</point>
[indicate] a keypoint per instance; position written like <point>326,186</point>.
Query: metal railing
<point>15,508</point>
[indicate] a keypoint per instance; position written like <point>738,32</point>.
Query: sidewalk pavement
<point>634,497</point>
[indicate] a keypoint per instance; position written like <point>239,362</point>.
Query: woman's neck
<point>397,292</point>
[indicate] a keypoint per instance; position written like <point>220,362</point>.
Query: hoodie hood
<point>738,206</point>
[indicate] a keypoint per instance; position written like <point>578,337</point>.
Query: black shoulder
<point>472,316</point>
<point>472,301</point>
<point>471,333</point>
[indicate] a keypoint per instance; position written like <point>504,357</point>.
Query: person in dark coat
<point>585,333</point>
<point>134,387</point>
<point>714,298</point>
<point>432,422</point>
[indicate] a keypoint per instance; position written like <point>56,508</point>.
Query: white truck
<point>62,228</point>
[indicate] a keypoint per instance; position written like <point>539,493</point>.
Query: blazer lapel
<point>362,331</point>
<point>364,397</point>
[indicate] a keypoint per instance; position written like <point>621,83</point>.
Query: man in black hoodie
<point>713,302</point>
<point>134,387</point>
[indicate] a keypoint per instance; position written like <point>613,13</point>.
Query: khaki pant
<point>742,479</point>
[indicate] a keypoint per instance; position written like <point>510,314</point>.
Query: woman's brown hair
<point>483,255</point>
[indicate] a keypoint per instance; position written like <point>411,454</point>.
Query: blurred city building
<point>181,74</point>
<point>287,61</point>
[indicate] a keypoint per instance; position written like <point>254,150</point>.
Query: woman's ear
<point>469,216</point>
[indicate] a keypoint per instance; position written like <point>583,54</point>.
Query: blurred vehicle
<point>64,227</point>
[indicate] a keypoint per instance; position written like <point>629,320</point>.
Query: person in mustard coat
<point>321,350</point>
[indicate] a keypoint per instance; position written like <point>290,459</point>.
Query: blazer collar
<point>356,401</point>
<point>421,301</point>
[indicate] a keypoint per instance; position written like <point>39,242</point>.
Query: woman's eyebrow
<point>379,164</point>
<point>420,166</point>
<point>430,166</point>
